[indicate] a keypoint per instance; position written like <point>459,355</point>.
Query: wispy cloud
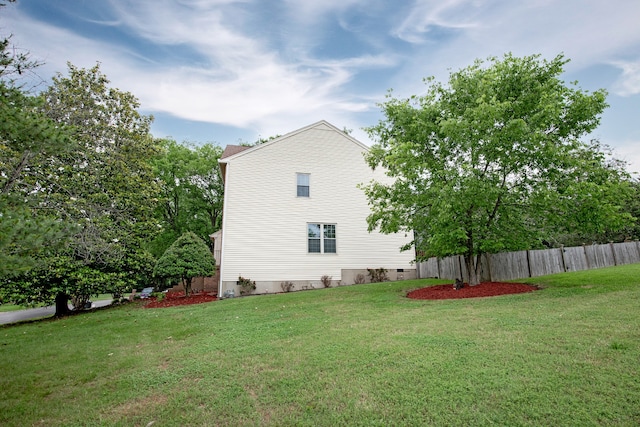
<point>628,150</point>
<point>435,16</point>
<point>273,66</point>
<point>242,81</point>
<point>629,82</point>
<point>236,79</point>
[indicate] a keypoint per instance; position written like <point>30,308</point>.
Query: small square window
<point>302,185</point>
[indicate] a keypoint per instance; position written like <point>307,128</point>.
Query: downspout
<point>224,220</point>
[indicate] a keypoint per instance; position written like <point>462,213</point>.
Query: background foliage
<point>191,192</point>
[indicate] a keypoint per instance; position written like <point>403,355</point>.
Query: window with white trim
<point>321,238</point>
<point>302,181</point>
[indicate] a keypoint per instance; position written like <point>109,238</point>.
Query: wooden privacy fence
<point>533,263</point>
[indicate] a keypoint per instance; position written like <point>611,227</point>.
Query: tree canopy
<point>494,161</point>
<point>85,190</point>
<point>99,184</point>
<point>86,193</point>
<point>27,229</point>
<point>186,258</point>
<point>107,184</point>
<point>191,191</point>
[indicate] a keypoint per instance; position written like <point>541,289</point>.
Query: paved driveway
<point>34,313</point>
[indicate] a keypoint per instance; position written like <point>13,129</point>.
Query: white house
<point>293,212</point>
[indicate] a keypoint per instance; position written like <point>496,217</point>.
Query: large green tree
<point>494,161</point>
<point>27,228</point>
<point>107,186</point>
<point>192,191</point>
<point>104,188</point>
<point>186,258</point>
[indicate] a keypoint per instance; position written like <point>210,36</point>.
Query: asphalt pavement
<point>35,313</point>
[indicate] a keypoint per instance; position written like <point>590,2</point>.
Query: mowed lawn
<point>567,355</point>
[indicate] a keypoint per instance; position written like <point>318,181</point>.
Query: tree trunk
<point>474,278</point>
<point>468,257</point>
<point>24,161</point>
<point>79,302</point>
<point>62,307</point>
<point>187,286</point>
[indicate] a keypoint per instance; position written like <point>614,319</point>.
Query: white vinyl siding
<point>263,237</point>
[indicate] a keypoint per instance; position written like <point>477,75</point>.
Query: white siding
<point>265,224</point>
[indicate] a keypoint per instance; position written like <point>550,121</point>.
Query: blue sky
<point>226,71</point>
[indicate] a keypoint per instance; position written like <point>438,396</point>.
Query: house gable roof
<point>234,151</point>
<point>230,150</point>
<point>242,151</point>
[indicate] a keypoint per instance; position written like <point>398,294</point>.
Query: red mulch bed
<point>484,289</point>
<point>173,299</point>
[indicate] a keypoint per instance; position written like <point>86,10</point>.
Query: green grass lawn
<point>10,307</point>
<point>568,355</point>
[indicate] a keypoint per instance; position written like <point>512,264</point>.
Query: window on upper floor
<point>302,185</point>
<point>321,238</point>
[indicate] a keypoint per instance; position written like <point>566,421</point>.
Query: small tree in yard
<point>186,258</point>
<point>494,161</point>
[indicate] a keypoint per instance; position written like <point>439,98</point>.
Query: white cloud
<point>248,84</point>
<point>249,63</point>
<point>629,82</point>
<point>428,15</point>
<point>310,12</point>
<point>586,31</point>
<point>238,80</point>
<point>629,151</point>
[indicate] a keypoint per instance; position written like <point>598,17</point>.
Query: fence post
<point>613,253</point>
<point>564,263</point>
<point>488,258</point>
<point>586,256</point>
<point>528,263</point>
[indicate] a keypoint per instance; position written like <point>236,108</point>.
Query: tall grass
<point>361,355</point>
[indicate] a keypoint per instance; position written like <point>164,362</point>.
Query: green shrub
<point>286,286</point>
<point>246,285</point>
<point>186,258</point>
<point>326,281</point>
<point>159,296</point>
<point>378,275</point>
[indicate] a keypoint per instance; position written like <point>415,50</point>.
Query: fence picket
<point>516,265</point>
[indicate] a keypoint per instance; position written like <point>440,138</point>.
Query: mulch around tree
<point>484,289</point>
<point>173,299</point>
<point>438,292</point>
